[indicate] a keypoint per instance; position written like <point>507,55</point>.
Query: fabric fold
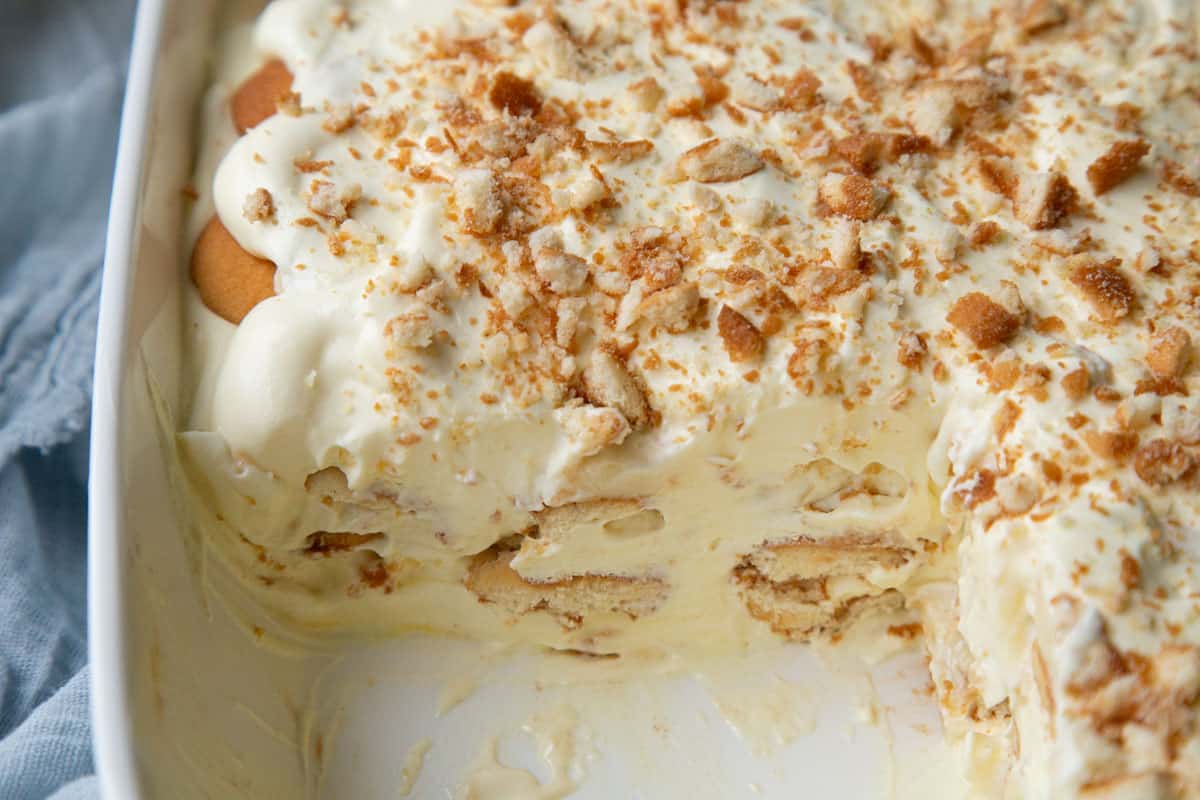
<point>64,67</point>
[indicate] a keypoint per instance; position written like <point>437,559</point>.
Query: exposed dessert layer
<point>620,325</point>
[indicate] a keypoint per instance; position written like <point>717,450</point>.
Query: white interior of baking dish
<point>200,695</point>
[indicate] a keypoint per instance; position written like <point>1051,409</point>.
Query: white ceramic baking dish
<point>195,696</point>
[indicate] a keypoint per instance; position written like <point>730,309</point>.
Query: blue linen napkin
<point>62,72</point>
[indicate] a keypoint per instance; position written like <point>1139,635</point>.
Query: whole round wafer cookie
<point>256,98</point>
<point>231,280</point>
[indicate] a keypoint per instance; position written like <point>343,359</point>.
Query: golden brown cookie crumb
<point>911,350</point>
<point>999,175</point>
<point>1161,462</point>
<point>985,322</point>
<point>646,94</point>
<point>1116,165</point>
<point>852,196</point>
<point>326,200</point>
<point>985,233</point>
<point>1170,353</point>
<point>1104,287</point>
<point>259,206</point>
<point>743,341</point>
<point>608,382</point>
<point>1045,200</point>
<point>719,161</point>
<point>1076,383</point>
<point>673,308</point>
<point>515,95</point>
<point>1114,445</point>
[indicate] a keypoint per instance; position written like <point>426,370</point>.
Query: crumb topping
<point>259,206</point>
<point>1170,352</point>
<point>985,322</point>
<point>743,341</point>
<point>1117,164</point>
<point>1104,287</point>
<point>719,161</point>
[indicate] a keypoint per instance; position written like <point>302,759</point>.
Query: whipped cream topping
<point>621,250</point>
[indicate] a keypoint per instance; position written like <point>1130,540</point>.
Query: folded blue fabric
<point>63,63</point>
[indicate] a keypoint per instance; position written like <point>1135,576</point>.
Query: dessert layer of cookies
<point>612,325</point>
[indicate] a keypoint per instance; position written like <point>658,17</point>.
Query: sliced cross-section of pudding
<point>614,327</point>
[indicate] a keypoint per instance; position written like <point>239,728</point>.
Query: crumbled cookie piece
<point>592,428</point>
<point>1009,296</point>
<point>1170,353</point>
<point>713,89</point>
<point>985,322</point>
<point>306,164</point>
<point>865,153</point>
<point>413,329</point>
<point>911,350</point>
<point>720,161</point>
<point>1131,572</point>
<point>825,284</point>
<point>863,77</point>
<point>862,151</point>
<point>608,382</point>
<point>984,233</point>
<point>852,196</point>
<point>845,247</point>
<point>1116,165</point>
<point>974,51</point>
<point>515,95</point>
<point>1147,260</point>
<point>1180,178</point>
<point>1103,286</point>
<point>672,308</point>
<point>326,200</point>
<point>1005,371</point>
<point>556,51</point>
<point>339,120</point>
<point>645,94</point>
<point>1076,383</point>
<point>564,273</point>
<point>259,206</point>
<point>743,342</point>
<point>752,93</point>
<point>1161,462</point>
<point>1112,445</point>
<point>478,194</point>
<point>1134,413</point>
<point>620,152</point>
<point>933,113</point>
<point>1045,200</point>
<point>801,91</point>
<point>569,315</point>
<point>999,175</point>
<point>288,104</point>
